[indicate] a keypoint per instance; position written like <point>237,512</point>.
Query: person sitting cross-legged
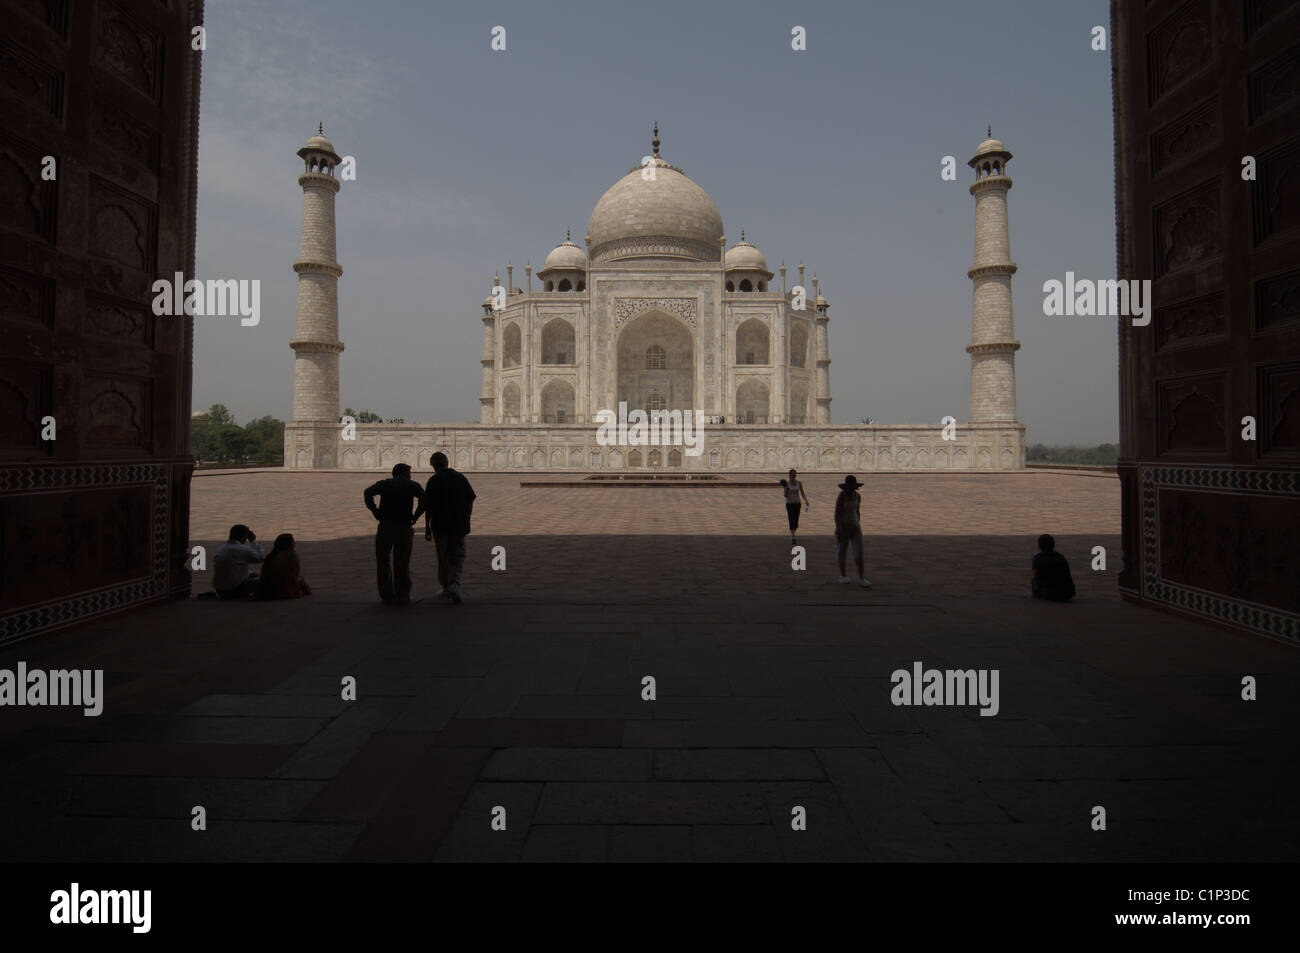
<point>282,572</point>
<point>230,574</point>
<point>1051,579</point>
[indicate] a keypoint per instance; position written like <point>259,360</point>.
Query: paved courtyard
<point>773,692</point>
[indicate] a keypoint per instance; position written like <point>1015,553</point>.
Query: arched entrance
<point>656,363</point>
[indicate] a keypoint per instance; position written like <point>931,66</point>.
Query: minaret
<point>993,343</point>
<point>316,345</point>
<point>821,325</point>
<point>487,413</point>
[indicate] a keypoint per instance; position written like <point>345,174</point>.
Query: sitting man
<point>230,575</point>
<point>282,572</point>
<point>1051,579</point>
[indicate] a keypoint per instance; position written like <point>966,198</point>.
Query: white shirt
<point>792,491</point>
<point>230,564</point>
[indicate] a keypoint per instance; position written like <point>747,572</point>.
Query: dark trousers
<point>451,560</point>
<point>792,512</point>
<point>393,537</point>
<point>242,591</point>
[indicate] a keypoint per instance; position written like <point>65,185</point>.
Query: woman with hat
<point>848,527</point>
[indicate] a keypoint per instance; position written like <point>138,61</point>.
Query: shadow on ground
<point>773,693</point>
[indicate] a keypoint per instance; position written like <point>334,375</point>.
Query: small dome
<point>487,302</point>
<point>566,255</point>
<point>990,145</point>
<point>744,256</point>
<point>320,142</point>
<point>821,302</point>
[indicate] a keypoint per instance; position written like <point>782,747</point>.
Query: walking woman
<point>848,527</point>
<point>793,491</point>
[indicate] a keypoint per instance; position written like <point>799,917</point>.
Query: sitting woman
<point>282,573</point>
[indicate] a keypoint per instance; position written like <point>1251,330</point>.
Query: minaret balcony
<point>302,266</point>
<point>319,347</point>
<point>984,271</point>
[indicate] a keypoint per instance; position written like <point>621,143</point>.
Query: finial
<point>566,235</point>
<point>655,141</point>
<point>990,130</point>
<point>320,128</point>
<point>742,234</point>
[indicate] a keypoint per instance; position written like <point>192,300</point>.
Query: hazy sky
<point>467,157</point>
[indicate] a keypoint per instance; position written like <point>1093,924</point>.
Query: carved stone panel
<point>129,50</point>
<point>115,414</point>
<point>1192,416</point>
<point>1230,545</point>
<point>1277,301</point>
<point>1179,48</point>
<point>52,13</point>
<point>134,139</point>
<point>59,543</point>
<point>1190,134</point>
<point>122,320</point>
<point>1188,323</point>
<point>1279,411</point>
<point>24,401</point>
<point>26,298</point>
<point>1188,229</point>
<point>1275,205</point>
<point>1275,84</point>
<point>28,203</point>
<point>30,81</point>
<point>123,226</point>
<point>1259,13</point>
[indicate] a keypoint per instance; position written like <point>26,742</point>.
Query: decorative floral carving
<point>627,308</point>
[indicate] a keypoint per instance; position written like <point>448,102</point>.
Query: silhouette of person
<point>1051,579</point>
<point>230,574</point>
<point>449,503</point>
<point>848,528</point>
<point>395,532</point>
<point>282,572</point>
<point>793,490</point>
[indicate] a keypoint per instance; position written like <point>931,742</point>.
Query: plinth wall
<point>845,449</point>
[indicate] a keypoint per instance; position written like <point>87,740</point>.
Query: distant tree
<point>216,438</point>
<point>363,417</point>
<point>1105,454</point>
<point>266,440</point>
<point>220,414</point>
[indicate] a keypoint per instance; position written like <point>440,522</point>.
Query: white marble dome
<point>567,256</point>
<point>743,256</point>
<point>664,216</point>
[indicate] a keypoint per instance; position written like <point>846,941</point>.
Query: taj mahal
<point>654,313</point>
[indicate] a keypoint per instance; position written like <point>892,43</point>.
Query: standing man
<point>395,532</point>
<point>450,501</point>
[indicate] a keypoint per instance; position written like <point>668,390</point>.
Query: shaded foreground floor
<point>773,692</point>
